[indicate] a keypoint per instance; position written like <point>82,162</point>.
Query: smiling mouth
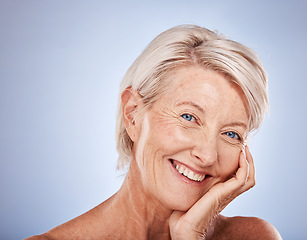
<point>188,173</point>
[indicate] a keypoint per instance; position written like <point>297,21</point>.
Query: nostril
<point>206,159</point>
<point>206,153</point>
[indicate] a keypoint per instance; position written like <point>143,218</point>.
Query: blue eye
<point>188,117</point>
<point>233,135</point>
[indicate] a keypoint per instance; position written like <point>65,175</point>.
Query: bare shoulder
<point>38,237</point>
<point>94,224</point>
<point>250,228</point>
<point>82,227</point>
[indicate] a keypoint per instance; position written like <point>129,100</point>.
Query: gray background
<point>60,67</point>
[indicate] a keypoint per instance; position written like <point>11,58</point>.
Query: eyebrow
<point>191,104</point>
<point>235,123</point>
<point>240,124</point>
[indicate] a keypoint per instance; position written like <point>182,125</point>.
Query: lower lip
<point>187,180</point>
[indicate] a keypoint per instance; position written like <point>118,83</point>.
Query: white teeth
<point>189,174</point>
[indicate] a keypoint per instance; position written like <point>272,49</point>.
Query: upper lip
<point>203,173</point>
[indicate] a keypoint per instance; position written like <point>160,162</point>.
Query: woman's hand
<point>194,223</point>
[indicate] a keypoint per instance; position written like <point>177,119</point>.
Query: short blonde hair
<point>188,45</point>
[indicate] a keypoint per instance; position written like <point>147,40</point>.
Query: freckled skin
<point>153,193</point>
<point>200,145</point>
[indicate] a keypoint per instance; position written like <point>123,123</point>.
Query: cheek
<point>167,132</point>
<point>228,160</point>
<point>173,138</point>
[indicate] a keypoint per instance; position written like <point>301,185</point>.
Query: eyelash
<point>193,119</point>
<point>239,138</point>
<point>185,115</point>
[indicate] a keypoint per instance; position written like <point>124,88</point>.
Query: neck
<point>136,213</point>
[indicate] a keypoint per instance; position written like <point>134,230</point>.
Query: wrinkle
<point>172,118</point>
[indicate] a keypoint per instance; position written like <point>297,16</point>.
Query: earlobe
<point>131,102</point>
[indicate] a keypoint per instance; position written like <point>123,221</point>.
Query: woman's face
<point>191,138</point>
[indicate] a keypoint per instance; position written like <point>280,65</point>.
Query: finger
<point>251,178</point>
<point>244,168</point>
<point>238,184</point>
<point>250,160</point>
<point>232,187</point>
<point>235,186</point>
<point>241,175</point>
<point>217,198</point>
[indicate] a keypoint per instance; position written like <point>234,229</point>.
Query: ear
<point>131,105</point>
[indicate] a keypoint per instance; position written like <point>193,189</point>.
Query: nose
<point>205,149</point>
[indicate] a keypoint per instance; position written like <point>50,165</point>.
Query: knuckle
<point>242,184</point>
<point>251,184</point>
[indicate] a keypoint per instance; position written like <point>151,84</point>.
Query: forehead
<point>194,77</point>
<point>206,88</point>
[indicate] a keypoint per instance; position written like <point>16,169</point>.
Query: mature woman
<point>186,107</point>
